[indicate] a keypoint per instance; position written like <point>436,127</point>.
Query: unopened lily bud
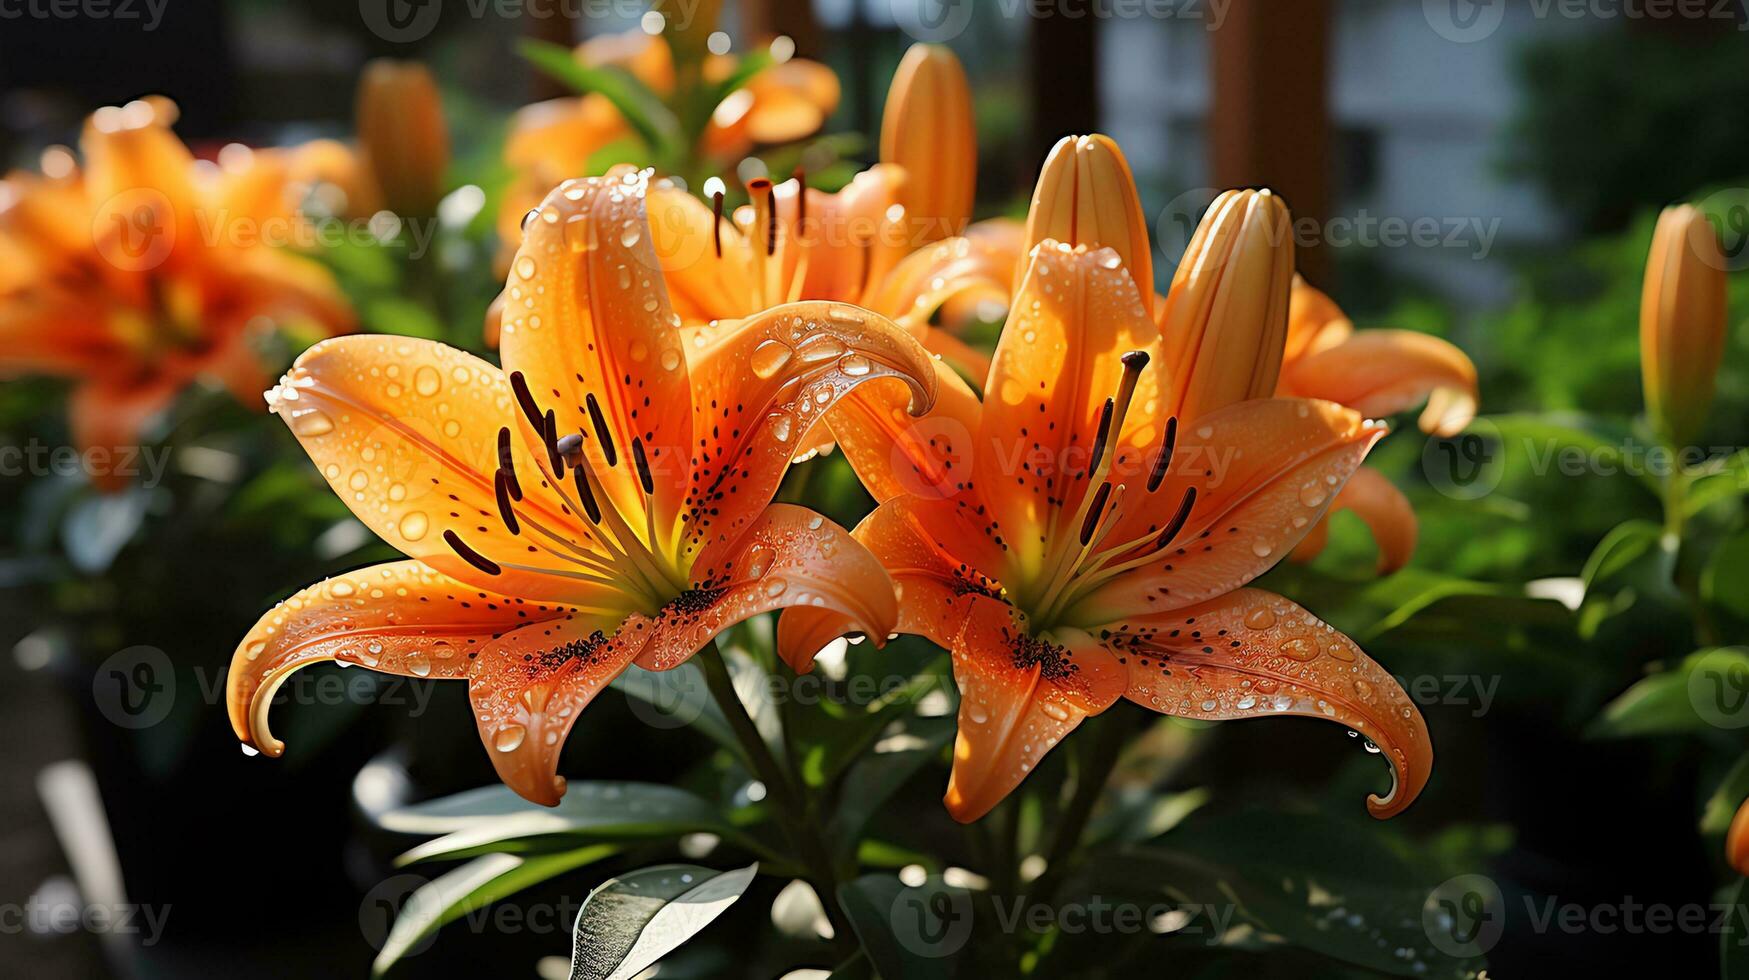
<point>1682,322</point>
<point>1086,195</point>
<point>403,135</point>
<point>928,129</point>
<point>1737,840</point>
<point>1224,325</point>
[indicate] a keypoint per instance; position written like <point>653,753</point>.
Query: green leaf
<point>640,106</point>
<point>1326,885</point>
<point>636,919</point>
<point>879,774</point>
<point>1707,689</point>
<point>1145,816</point>
<point>676,698</point>
<point>495,819</point>
<point>472,887</point>
<point>1725,582</point>
<point>908,932</point>
<point>398,315</point>
<point>1724,479</point>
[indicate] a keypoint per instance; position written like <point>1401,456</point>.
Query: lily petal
<point>529,686</point>
<point>398,618</point>
<point>1250,654</point>
<point>1019,696</point>
<point>918,542</point>
<point>790,556</point>
<point>1381,372</point>
<point>587,319</point>
<point>1058,362</point>
<point>762,384</point>
<point>1377,501</point>
<point>895,453</point>
<point>414,453</point>
<point>1263,472</point>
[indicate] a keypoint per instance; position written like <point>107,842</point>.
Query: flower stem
<point>788,800</point>
<point>1111,731</point>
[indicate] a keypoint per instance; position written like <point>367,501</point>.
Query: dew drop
<point>855,365</point>
<point>775,587</point>
<point>770,357</point>
<point>1260,618</point>
<point>1261,548</point>
<point>313,422</point>
<point>821,348</point>
<point>509,738</point>
<point>1299,648</point>
<point>525,267</point>
<point>630,237</point>
<point>414,525</point>
<point>976,713</point>
<point>1312,495</point>
<point>670,359</point>
<point>419,665</point>
<point>1054,711</point>
<point>426,381</point>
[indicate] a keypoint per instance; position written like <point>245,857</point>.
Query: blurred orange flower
<point>603,499</point>
<point>1376,373</point>
<point>553,140</point>
<point>137,271</point>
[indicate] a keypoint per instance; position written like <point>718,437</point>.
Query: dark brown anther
<point>469,555</point>
<point>1164,460</point>
<point>501,485</point>
<point>643,465</point>
<point>1178,519</point>
<point>550,438</point>
<point>586,496</point>
<point>601,430</point>
<point>507,463</point>
<point>525,399</point>
<point>1102,437</point>
<point>1095,512</point>
<point>717,221</point>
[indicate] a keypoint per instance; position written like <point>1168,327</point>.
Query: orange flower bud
<point>1086,195</point>
<point>403,135</point>
<point>1737,840</point>
<point>1224,325</point>
<point>1682,322</point>
<point>927,128</point>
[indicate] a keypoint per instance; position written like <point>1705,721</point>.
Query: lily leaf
<point>634,920</point>
<point>470,888</point>
<point>1707,689</point>
<point>909,932</point>
<point>879,774</point>
<point>496,819</point>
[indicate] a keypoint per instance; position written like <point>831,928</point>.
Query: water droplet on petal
<point>1260,618</point>
<point>414,525</point>
<point>855,365</point>
<point>313,422</point>
<point>1299,648</point>
<point>509,738</point>
<point>770,357</point>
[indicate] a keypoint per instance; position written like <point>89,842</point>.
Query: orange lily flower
<point>403,136</point>
<point>552,140</point>
<point>1071,543</point>
<point>1737,840</point>
<point>1377,373</point>
<point>603,500</point>
<point>1085,532</point>
<point>139,272</point>
<point>1682,322</point>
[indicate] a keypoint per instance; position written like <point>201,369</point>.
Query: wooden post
<point>1270,122</point>
<point>555,27</point>
<point>765,19</point>
<point>1063,65</point>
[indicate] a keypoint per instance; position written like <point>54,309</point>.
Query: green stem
<point>1110,731</point>
<point>787,801</point>
<point>1675,523</point>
